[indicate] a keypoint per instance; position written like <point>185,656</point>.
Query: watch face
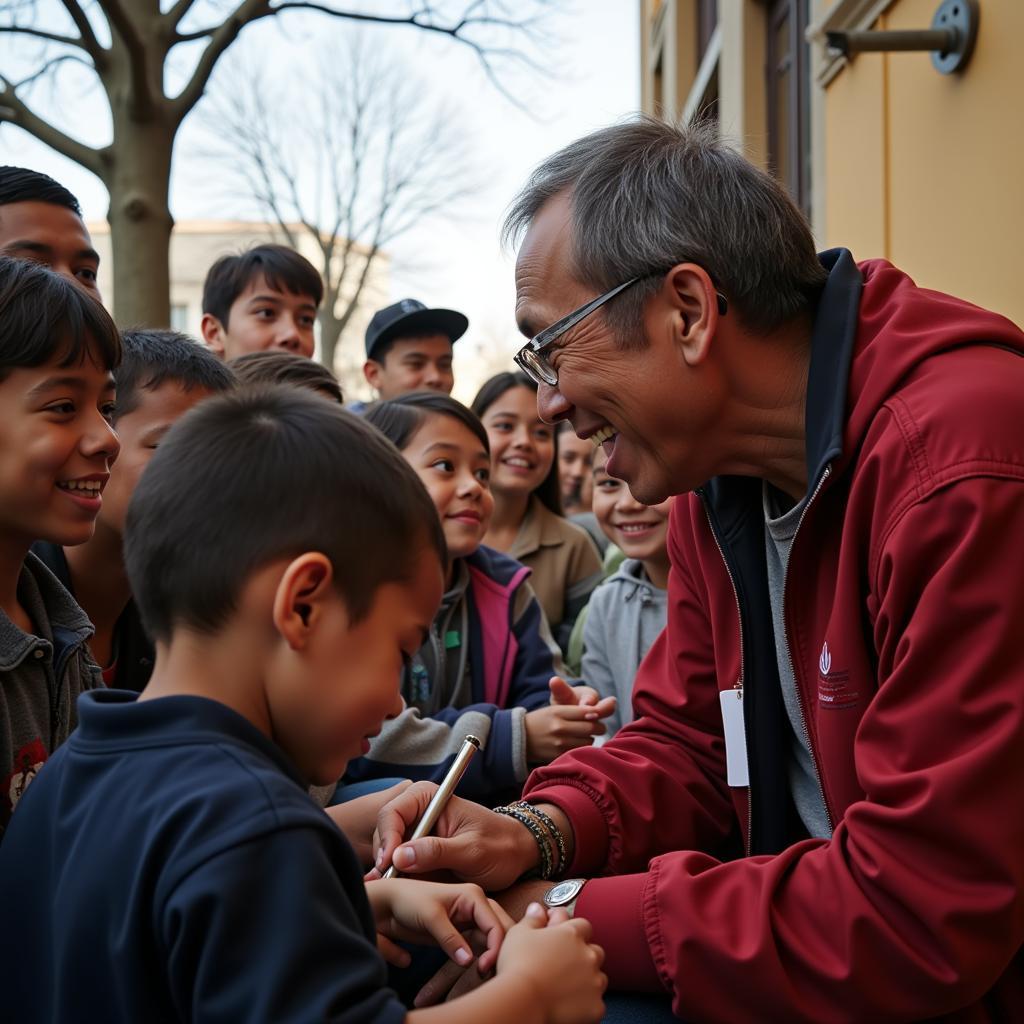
<point>563,892</point>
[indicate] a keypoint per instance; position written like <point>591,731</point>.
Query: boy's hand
<point>563,693</point>
<point>553,730</point>
<point>474,843</point>
<point>554,956</point>
<point>411,910</point>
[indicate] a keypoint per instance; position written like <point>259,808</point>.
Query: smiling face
<point>641,531</point>
<point>574,475</point>
<point>328,698</point>
<point>263,318</point>
<point>656,406</point>
<point>52,235</point>
<point>455,468</point>
<point>140,432</point>
<point>56,451</point>
<point>413,364</point>
<point>522,444</point>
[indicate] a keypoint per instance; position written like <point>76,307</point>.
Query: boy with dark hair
<point>277,367</point>
<point>41,221</point>
<point>266,297</point>
<point>57,349</point>
<point>174,825</point>
<point>162,375</point>
<point>409,348</point>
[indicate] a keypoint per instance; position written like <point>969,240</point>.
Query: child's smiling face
<point>641,531</point>
<point>56,449</point>
<point>455,468</point>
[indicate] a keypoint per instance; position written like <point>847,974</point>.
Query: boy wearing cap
<point>409,348</point>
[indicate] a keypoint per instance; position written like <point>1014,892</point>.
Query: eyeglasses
<point>531,359</point>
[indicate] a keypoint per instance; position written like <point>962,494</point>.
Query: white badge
<point>735,737</point>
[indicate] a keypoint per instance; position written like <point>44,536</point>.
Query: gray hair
<point>646,195</point>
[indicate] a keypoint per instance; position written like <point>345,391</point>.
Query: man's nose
<point>551,404</point>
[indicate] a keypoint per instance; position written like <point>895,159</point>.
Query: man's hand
<point>477,845</point>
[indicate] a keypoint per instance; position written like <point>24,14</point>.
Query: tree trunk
<point>138,179</point>
<point>330,332</point>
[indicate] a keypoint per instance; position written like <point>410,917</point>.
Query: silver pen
<point>470,745</point>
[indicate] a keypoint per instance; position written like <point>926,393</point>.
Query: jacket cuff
<point>614,908</point>
<point>589,829</point>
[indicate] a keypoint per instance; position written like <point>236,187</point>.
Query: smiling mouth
<point>466,514</point>
<point>85,488</point>
<point>518,463</point>
<point>604,434</point>
<point>635,528</point>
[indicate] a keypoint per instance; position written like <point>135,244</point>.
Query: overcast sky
<point>454,261</point>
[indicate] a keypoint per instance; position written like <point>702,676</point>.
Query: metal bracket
<point>950,40</point>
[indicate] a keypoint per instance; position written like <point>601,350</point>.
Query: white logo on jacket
<point>825,660</point>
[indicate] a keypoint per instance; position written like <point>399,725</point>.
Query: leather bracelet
<point>556,833</point>
<point>537,831</point>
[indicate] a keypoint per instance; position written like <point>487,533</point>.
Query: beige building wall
<point>927,169</point>
<point>921,168</point>
<point>195,245</point>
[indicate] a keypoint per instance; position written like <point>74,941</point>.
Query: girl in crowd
<point>485,668</point>
<point>527,521</point>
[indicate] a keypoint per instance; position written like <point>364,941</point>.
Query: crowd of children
<point>204,622</point>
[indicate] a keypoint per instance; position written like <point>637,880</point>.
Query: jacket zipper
<point>738,685</point>
<point>826,473</point>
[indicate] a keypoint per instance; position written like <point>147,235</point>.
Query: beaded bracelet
<point>537,831</point>
<point>556,832</point>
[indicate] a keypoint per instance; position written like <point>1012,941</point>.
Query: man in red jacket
<point>817,812</point>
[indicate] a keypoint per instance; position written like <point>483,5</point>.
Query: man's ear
<point>299,599</point>
<point>372,371</point>
<point>213,333</point>
<point>694,300</point>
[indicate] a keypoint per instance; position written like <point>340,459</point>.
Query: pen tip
<point>474,741</point>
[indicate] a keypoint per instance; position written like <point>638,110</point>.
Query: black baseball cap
<point>410,317</point>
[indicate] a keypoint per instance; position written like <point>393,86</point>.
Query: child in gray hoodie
<point>626,612</point>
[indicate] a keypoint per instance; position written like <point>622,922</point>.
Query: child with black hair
<point>275,366</point>
<point>162,375</point>
<point>58,347</point>
<point>167,864</point>
<point>489,659</point>
<point>41,221</point>
<point>264,298</point>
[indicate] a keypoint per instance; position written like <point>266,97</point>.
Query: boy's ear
<point>307,582</point>
<point>213,334</point>
<point>372,371</point>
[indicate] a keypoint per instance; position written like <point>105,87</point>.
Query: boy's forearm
<point>358,818</point>
<point>508,999</point>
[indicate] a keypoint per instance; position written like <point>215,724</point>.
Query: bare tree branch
<point>46,68</point>
<point>90,43</point>
<point>14,111</point>
<point>39,33</point>
<point>178,11</point>
<point>220,39</point>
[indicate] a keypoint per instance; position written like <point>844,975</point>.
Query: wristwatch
<point>565,894</point>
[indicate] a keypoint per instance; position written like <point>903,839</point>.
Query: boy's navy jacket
<point>167,865</point>
<point>481,683</point>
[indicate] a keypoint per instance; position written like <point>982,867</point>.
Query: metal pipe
<point>939,40</point>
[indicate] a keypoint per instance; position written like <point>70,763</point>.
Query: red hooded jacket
<point>903,598</point>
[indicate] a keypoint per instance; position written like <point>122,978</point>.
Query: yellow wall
<point>928,169</point>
